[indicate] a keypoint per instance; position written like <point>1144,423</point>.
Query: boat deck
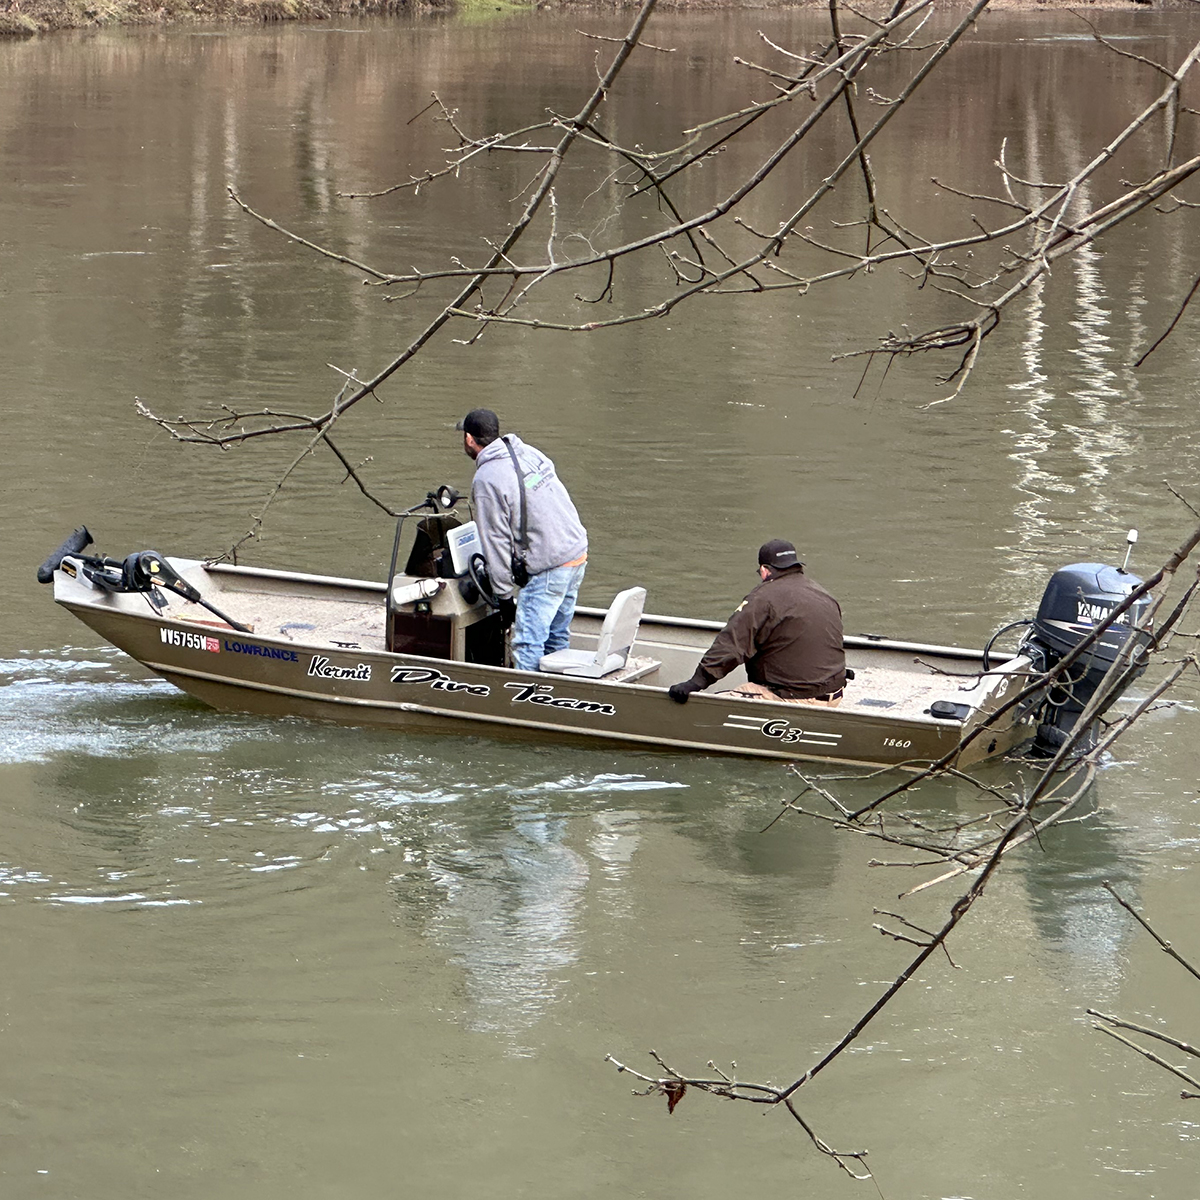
<point>346,623</point>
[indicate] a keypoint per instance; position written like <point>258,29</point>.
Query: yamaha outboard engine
<point>1076,600</point>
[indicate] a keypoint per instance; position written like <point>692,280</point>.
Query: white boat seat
<point>616,639</point>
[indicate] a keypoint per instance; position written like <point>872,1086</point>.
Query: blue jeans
<point>545,606</point>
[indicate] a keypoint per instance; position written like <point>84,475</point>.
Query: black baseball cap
<point>480,422</point>
<point>778,555</point>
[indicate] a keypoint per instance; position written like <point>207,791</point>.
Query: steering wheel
<point>478,572</point>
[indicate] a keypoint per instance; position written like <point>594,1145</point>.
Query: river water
<point>277,959</point>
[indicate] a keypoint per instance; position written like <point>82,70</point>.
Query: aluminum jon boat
<point>422,652</point>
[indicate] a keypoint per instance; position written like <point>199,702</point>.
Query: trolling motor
<point>144,571</point>
<point>1077,599</point>
<point>79,540</point>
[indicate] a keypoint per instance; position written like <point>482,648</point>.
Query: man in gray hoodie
<point>531,535</point>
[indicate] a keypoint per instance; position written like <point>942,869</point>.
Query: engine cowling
<point>1077,599</point>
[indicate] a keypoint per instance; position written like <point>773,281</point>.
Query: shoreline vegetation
<point>30,17</point>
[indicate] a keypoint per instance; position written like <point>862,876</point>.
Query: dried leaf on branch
<point>978,847</point>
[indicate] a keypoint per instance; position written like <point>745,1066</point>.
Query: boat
<point>424,651</point>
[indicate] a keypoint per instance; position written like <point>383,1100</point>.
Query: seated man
<point>788,632</point>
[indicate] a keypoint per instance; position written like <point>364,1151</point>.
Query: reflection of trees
<point>747,223</point>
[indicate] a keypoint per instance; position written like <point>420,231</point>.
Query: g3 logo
<point>783,731</point>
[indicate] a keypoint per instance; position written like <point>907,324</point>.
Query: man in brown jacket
<point>788,632</point>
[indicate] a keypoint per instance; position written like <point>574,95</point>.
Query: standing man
<point>788,632</point>
<point>531,535</point>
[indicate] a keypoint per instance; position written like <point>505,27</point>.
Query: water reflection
<point>306,924</point>
<point>1072,911</point>
<point>168,803</point>
<point>508,912</point>
<point>1033,437</point>
<point>1104,441</point>
<point>165,803</point>
<point>178,805</point>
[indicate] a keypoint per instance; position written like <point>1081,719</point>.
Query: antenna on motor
<point>1131,541</point>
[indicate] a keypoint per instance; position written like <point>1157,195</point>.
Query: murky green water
<point>253,958</point>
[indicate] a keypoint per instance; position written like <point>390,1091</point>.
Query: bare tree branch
<point>1154,1058</point>
<point>1030,811</point>
<point>1163,944</point>
<point>1166,333</point>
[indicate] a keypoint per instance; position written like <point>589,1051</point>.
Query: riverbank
<point>44,16</point>
<point>28,17</point>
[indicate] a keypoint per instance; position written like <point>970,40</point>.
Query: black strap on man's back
<point>521,492</point>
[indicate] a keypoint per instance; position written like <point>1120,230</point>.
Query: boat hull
<point>356,684</point>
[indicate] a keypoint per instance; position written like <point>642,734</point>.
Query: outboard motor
<point>1076,600</point>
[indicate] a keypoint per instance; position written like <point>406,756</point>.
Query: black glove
<point>508,612</point>
<point>679,692</point>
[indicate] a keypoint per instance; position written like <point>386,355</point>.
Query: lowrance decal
<point>261,651</point>
<point>320,667</point>
<point>438,681</point>
<point>543,693</point>
<point>190,641</point>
